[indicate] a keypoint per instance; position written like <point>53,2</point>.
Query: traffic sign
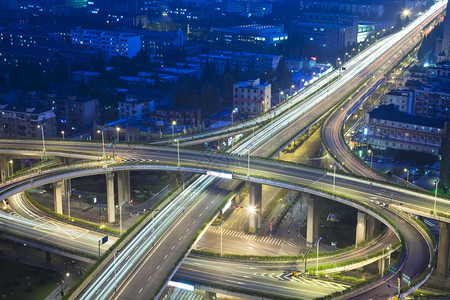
<point>392,269</point>
<point>406,279</point>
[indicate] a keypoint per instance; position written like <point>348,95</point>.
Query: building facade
<point>251,97</point>
<point>389,128</point>
<point>113,43</point>
<point>432,102</point>
<point>402,100</point>
<point>23,121</point>
<point>182,116</point>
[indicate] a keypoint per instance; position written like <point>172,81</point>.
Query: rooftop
<point>387,112</point>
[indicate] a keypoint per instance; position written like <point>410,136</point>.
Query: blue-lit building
<point>265,35</point>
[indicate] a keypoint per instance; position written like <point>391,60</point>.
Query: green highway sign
<point>406,279</point>
<point>392,269</point>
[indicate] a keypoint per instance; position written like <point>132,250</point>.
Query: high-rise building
<point>251,97</point>
<point>443,43</point>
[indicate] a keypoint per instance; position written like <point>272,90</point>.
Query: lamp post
<point>407,174</point>
<point>232,114</point>
<point>103,141</point>
<point>62,132</point>
<point>178,150</point>
<point>221,229</point>
<point>118,134</point>
<point>317,263</point>
<point>173,126</point>
<point>292,87</point>
<point>248,160</point>
<point>338,62</point>
<point>115,273</point>
<point>68,193</point>
<point>396,213</point>
<point>282,96</point>
<point>334,175</point>
<point>43,138</point>
<point>120,215</point>
<point>371,157</point>
<point>436,183</point>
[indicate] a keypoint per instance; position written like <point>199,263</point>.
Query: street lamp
<point>317,263</point>
<point>334,175</point>
<point>68,193</point>
<point>407,174</point>
<point>118,134</point>
<point>232,113</point>
<point>115,275</point>
<point>173,125</point>
<point>221,229</point>
<point>120,215</point>
<point>178,150</point>
<point>43,138</point>
<point>248,160</point>
<point>62,132</point>
<point>371,157</point>
<point>103,141</point>
<point>11,163</point>
<point>396,213</point>
<point>292,87</point>
<point>436,183</point>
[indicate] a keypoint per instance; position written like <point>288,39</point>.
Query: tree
<point>282,75</point>
<point>209,99</point>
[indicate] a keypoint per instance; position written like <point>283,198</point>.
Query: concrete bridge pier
<point>58,188</point>
<point>443,252</point>
<point>360,227</point>
<point>313,221</point>
<point>123,186</point>
<point>255,207</point>
<point>110,197</point>
<point>5,167</point>
<point>381,265</point>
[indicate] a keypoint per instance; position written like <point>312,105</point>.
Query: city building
<point>84,76</point>
<point>158,42</point>
<point>73,113</point>
<point>265,35</point>
<point>17,120</point>
<point>403,100</point>
<point>432,101</point>
<point>134,109</point>
<point>327,30</point>
<point>389,128</point>
<point>443,42</point>
<point>113,43</point>
<point>254,62</point>
<point>373,9</point>
<point>182,116</point>
<point>251,97</point>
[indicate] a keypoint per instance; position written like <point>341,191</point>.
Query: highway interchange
<point>316,178</point>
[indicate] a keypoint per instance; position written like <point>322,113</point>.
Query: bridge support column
<point>123,186</point>
<point>210,295</point>
<point>110,197</point>
<point>443,252</point>
<point>256,203</point>
<point>360,227</point>
<point>371,225</point>
<point>313,222</point>
<point>58,188</point>
<point>381,265</point>
<point>3,167</point>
